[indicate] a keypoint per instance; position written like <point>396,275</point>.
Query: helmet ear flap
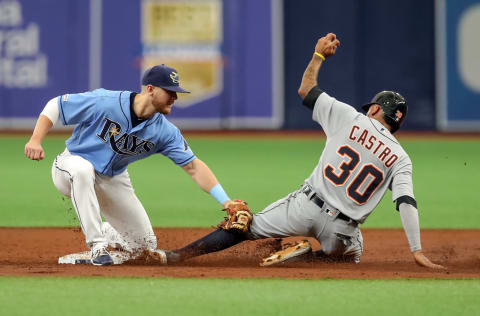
<point>393,105</point>
<point>396,116</point>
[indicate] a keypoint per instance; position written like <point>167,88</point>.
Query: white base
<point>118,257</point>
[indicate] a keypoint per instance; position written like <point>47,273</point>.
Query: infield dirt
<point>35,251</point>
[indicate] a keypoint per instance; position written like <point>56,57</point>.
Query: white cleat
<point>298,249</point>
<point>156,255</point>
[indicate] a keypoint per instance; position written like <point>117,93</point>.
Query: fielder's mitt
<point>239,217</point>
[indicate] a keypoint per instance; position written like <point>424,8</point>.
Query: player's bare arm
<point>34,149</point>
<point>326,47</point>
<point>203,177</point>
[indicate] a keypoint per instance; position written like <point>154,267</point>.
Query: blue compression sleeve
<point>219,194</point>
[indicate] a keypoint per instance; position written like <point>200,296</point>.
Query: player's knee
<point>332,246</point>
<point>343,245</point>
<point>83,172</point>
<point>354,249</point>
<point>354,254</point>
<point>329,250</point>
<point>63,187</point>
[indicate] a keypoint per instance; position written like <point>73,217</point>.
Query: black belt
<point>315,199</point>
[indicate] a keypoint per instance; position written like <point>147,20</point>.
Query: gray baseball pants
<point>297,215</point>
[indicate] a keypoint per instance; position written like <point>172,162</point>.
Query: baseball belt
<point>315,199</point>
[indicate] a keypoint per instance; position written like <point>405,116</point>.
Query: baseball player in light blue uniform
<point>116,128</point>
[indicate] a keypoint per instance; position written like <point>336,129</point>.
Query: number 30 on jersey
<point>369,177</point>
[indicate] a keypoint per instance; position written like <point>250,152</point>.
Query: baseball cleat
<point>298,249</point>
<point>156,255</point>
<point>101,257</point>
<point>173,257</point>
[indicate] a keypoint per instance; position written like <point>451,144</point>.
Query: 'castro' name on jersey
<point>373,144</point>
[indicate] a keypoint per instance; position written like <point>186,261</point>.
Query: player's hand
<point>227,203</point>
<point>423,261</point>
<point>327,45</point>
<point>34,150</point>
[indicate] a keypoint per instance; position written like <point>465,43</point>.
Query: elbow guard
<point>406,199</point>
<point>312,97</point>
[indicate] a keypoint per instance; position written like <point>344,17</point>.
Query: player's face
<point>163,100</point>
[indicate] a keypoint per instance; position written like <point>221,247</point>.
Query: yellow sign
<point>186,35</point>
<point>181,21</point>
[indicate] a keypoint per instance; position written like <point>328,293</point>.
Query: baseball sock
<point>215,241</point>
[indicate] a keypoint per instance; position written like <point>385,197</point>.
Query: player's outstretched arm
<point>206,180</point>
<point>410,222</point>
<point>326,47</point>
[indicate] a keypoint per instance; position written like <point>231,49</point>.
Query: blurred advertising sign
<point>22,64</point>
<point>186,35</point>
<point>43,53</point>
<point>182,22</point>
<point>228,53</point>
<point>458,65</point>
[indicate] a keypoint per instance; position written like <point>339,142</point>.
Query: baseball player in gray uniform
<point>360,161</point>
<point>114,129</point>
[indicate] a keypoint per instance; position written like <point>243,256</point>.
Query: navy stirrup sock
<point>215,241</point>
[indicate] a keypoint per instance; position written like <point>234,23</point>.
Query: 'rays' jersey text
<point>125,144</point>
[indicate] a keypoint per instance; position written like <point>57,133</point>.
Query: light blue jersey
<point>105,136</point>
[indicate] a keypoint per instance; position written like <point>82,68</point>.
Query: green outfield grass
<point>257,170</point>
<point>140,296</point>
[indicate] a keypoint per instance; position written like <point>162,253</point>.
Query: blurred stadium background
<point>244,60</point>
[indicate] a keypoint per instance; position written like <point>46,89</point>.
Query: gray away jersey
<point>360,161</point>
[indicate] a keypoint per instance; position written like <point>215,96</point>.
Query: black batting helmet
<point>393,105</point>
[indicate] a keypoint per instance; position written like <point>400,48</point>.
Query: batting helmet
<point>393,105</point>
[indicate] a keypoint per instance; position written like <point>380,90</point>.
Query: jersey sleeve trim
<point>312,97</point>
<point>123,112</point>
<point>64,121</point>
<point>186,161</point>
<point>406,199</point>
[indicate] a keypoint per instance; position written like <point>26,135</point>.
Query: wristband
<point>219,194</point>
<point>320,55</point>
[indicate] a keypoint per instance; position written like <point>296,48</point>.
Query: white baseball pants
<point>94,194</point>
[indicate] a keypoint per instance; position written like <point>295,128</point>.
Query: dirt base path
<point>35,251</point>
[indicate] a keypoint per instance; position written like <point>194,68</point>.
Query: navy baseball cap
<point>163,77</point>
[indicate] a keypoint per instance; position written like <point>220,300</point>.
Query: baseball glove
<point>238,219</point>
